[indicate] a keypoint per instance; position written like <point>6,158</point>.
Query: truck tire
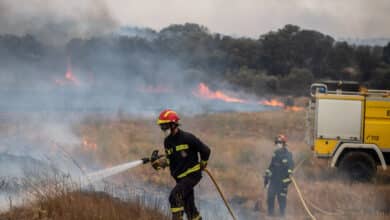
<point>358,166</point>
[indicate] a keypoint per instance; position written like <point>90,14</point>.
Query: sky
<point>339,18</point>
<point>247,18</point>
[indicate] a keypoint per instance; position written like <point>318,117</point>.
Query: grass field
<point>82,206</point>
<point>242,145</point>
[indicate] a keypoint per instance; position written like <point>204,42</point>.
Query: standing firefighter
<point>182,156</point>
<point>277,176</point>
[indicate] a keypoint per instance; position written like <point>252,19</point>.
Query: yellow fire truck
<point>351,127</point>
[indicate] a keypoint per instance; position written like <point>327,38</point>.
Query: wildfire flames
<point>89,145</point>
<point>69,77</point>
<point>273,103</point>
<point>204,92</point>
<point>294,108</point>
<point>276,103</point>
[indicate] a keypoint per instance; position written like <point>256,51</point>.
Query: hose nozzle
<point>155,156</point>
<point>145,160</point>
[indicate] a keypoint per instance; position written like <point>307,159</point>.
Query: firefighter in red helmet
<point>186,156</point>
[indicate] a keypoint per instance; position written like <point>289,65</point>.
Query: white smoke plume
<point>55,21</point>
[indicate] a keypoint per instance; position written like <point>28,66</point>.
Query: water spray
<point>101,174</point>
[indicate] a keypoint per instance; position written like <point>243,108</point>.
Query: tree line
<point>285,61</point>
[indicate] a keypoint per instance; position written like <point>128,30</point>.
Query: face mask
<point>279,145</point>
<point>165,128</point>
<point>166,133</point>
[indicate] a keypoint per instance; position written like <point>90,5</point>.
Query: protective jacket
<point>182,151</point>
<point>280,169</point>
<point>278,177</point>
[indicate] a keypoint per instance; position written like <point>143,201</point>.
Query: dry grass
<point>52,195</point>
<point>239,141</point>
<point>82,206</point>
<point>241,146</point>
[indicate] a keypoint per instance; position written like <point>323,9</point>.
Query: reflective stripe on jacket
<point>280,168</point>
<point>183,150</point>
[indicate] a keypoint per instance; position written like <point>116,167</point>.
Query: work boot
<point>177,216</point>
<point>282,213</point>
<point>271,213</point>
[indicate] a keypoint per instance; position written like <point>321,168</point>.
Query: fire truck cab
<point>350,126</point>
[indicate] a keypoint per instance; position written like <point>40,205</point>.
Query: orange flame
<point>294,108</point>
<point>273,103</point>
<point>89,145</point>
<point>204,92</point>
<point>69,76</point>
<point>277,103</point>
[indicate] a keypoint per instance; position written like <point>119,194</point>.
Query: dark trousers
<point>182,197</point>
<point>281,193</point>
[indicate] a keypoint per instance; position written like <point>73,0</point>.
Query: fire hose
<point>311,204</point>
<point>302,199</point>
<point>155,157</point>
<point>300,193</point>
<point>220,193</point>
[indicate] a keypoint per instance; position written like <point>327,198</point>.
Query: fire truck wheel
<point>358,166</point>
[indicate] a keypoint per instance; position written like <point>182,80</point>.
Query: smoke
<point>131,70</point>
<point>50,89</point>
<point>107,74</point>
<point>54,21</point>
<point>32,151</point>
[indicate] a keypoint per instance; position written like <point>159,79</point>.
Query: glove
<point>154,160</point>
<point>160,163</point>
<point>203,164</point>
<point>156,165</point>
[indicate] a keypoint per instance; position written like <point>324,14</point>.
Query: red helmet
<point>281,139</point>
<point>168,116</point>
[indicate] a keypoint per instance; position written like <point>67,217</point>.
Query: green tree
<point>367,61</point>
<point>386,53</point>
<point>297,81</point>
<point>381,78</point>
